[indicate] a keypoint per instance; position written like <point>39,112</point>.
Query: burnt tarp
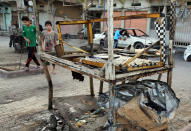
<point>158,100</point>
<point>123,94</point>
<point>155,99</point>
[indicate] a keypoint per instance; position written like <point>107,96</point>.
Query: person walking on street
<point>29,34</point>
<point>116,37</point>
<point>49,39</point>
<point>12,29</point>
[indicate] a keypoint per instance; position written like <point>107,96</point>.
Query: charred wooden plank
<point>73,66</point>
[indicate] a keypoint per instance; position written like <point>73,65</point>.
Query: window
<point>131,32</point>
<point>140,33</point>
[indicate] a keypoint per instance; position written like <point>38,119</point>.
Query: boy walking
<point>48,39</point>
<point>29,34</point>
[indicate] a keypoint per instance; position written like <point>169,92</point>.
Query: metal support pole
<point>91,86</point>
<point>113,113</point>
<point>90,42</point>
<point>123,21</point>
<point>50,89</point>
<point>170,63</point>
<point>50,96</point>
<point>101,87</point>
<point>110,67</point>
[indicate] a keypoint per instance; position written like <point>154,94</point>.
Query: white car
<point>187,53</point>
<point>135,37</point>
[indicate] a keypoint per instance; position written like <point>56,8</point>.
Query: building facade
<point>130,7</point>
<point>13,10</point>
<point>59,10</point>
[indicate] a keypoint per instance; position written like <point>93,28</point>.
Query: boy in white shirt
<point>49,39</point>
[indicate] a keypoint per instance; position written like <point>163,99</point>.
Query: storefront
<point>5,16</point>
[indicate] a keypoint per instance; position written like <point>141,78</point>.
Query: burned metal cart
<point>124,68</point>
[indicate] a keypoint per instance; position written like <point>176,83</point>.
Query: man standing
<point>12,29</point>
<point>29,34</point>
<point>49,39</point>
<point>116,37</point>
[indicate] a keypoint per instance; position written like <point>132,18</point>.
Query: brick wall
<point>134,23</point>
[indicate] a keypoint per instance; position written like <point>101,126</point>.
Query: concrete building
<point>128,7</point>
<point>56,10</point>
<point>13,10</point>
<point>7,12</point>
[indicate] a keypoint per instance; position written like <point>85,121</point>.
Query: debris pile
<point>56,123</point>
<point>148,103</point>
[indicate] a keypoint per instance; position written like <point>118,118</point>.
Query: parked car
<point>135,37</point>
<point>187,53</point>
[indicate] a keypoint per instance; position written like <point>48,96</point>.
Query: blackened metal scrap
<point>127,91</point>
<point>160,99</point>
<point>77,76</point>
<point>156,98</point>
<point>123,94</point>
<point>163,91</point>
<point>103,99</point>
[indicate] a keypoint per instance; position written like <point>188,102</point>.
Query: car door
<point>125,41</point>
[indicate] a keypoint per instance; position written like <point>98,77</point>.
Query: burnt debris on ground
<point>154,101</point>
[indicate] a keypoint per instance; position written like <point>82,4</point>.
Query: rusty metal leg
<point>113,112</point>
<point>169,77</point>
<point>91,86</point>
<point>123,82</point>
<point>170,63</point>
<point>50,89</point>
<point>159,76</point>
<point>101,87</point>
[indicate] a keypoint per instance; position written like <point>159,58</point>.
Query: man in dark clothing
<point>29,34</point>
<point>12,29</point>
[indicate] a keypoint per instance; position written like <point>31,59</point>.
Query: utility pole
<point>123,21</point>
<point>49,10</point>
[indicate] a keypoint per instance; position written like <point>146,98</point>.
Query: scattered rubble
<point>80,123</point>
<point>144,105</point>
